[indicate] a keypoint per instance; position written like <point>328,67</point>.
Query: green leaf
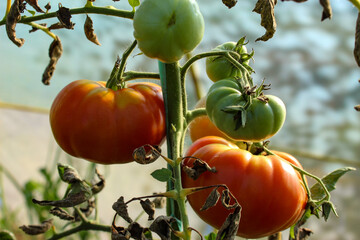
<point>317,192</point>
<point>134,3</point>
<point>162,175</point>
<point>211,236</point>
<point>6,235</point>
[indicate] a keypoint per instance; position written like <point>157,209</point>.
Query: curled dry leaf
<point>229,229</point>
<point>226,198</point>
<point>55,52</point>
<point>211,200</point>
<point>162,226</point>
<point>12,18</point>
<point>96,188</point>
<point>68,174</point>
<point>327,11</point>
<point>47,6</point>
<point>62,214</point>
<point>120,208</point>
<point>34,4</point>
<point>37,229</point>
<point>146,154</point>
<point>57,25</point>
<point>89,31</point>
<point>149,208</point>
<point>119,233</point>
<point>87,210</point>
<point>229,3</point>
<point>160,202</point>
<point>64,16</point>
<point>301,233</point>
<point>266,9</point>
<point>136,231</point>
<point>198,168</point>
<point>357,41</point>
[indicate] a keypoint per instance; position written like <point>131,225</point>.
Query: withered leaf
<point>37,229</point>
<point>90,207</point>
<point>121,209</point>
<point>327,11</point>
<point>302,233</point>
<point>146,154</point>
<point>357,41</point>
<point>226,200</point>
<point>197,169</point>
<point>68,174</point>
<point>12,18</point>
<point>47,6</point>
<point>89,31</point>
<point>62,214</point>
<point>55,52</point>
<point>266,9</point>
<point>57,25</point>
<point>64,16</point>
<point>34,4</point>
<point>211,200</point>
<point>159,202</point>
<point>149,208</point>
<point>229,3</point>
<point>162,227</point>
<point>357,108</point>
<point>298,1</point>
<point>136,231</point>
<point>229,229</point>
<point>96,188</point>
<point>119,233</point>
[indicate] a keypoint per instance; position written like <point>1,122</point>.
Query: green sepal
<point>134,3</point>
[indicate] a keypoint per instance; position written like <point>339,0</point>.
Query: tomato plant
<point>218,67</point>
<point>270,192</point>
<point>230,110</point>
<point>167,29</point>
<point>104,126</point>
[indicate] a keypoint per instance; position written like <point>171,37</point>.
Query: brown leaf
<point>357,41</point>
<point>64,16</point>
<point>87,210</point>
<point>89,31</point>
<point>62,214</point>
<point>47,6</point>
<point>146,154</point>
<point>55,52</point>
<point>136,231</point>
<point>37,229</point>
<point>211,200</point>
<point>229,229</point>
<point>229,3</point>
<point>96,188</point>
<point>121,209</point>
<point>160,202</point>
<point>57,25</point>
<point>199,167</point>
<point>327,11</point>
<point>70,201</point>
<point>162,227</point>
<point>119,233</point>
<point>12,18</point>
<point>226,198</point>
<point>149,208</point>
<point>266,9</point>
<point>301,233</point>
<point>34,4</point>
<point>357,108</point>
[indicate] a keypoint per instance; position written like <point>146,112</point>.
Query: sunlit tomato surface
<point>269,190</point>
<point>202,126</point>
<point>101,125</point>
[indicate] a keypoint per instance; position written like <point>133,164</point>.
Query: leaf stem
<point>191,115</point>
<point>44,29</point>
<point>131,75</point>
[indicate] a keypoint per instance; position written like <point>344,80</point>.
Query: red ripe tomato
<point>101,125</point>
<point>270,192</point>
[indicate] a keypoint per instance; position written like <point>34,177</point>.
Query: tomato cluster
<point>270,192</point>
<point>96,123</point>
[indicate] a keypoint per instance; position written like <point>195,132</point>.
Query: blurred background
<point>309,64</point>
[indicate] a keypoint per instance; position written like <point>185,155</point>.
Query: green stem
<point>191,115</point>
<point>130,75</point>
<point>173,90</point>
<point>44,29</point>
<point>109,10</point>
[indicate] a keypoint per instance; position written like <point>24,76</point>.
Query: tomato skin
<point>167,29</point>
<point>263,120</point>
<point>269,190</point>
<point>101,125</point>
<point>218,67</point>
<point>202,126</point>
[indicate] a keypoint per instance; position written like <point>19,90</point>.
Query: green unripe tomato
<point>168,29</point>
<point>263,119</point>
<point>218,67</point>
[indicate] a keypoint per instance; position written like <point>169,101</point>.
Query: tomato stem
<point>191,115</point>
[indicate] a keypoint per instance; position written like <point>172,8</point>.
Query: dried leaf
<point>357,41</point>
<point>37,229</point>
<point>119,233</point>
<point>47,6</point>
<point>57,25</point>
<point>198,168</point>
<point>89,31</point>
<point>12,18</point>
<point>226,200</point>
<point>266,9</point>
<point>34,4</point>
<point>229,3</point>
<point>160,202</point>
<point>211,200</point>
<point>86,211</point>
<point>64,16</point>
<point>136,231</point>
<point>121,209</point>
<point>229,229</point>
<point>96,188</point>
<point>357,108</point>
<point>62,214</point>
<point>149,208</point>
<point>146,154</point>
<point>68,174</point>
<point>327,11</point>
<point>55,52</point>
<point>162,226</point>
<point>301,233</point>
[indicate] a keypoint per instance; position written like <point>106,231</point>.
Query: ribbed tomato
<point>270,192</point>
<point>102,125</point>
